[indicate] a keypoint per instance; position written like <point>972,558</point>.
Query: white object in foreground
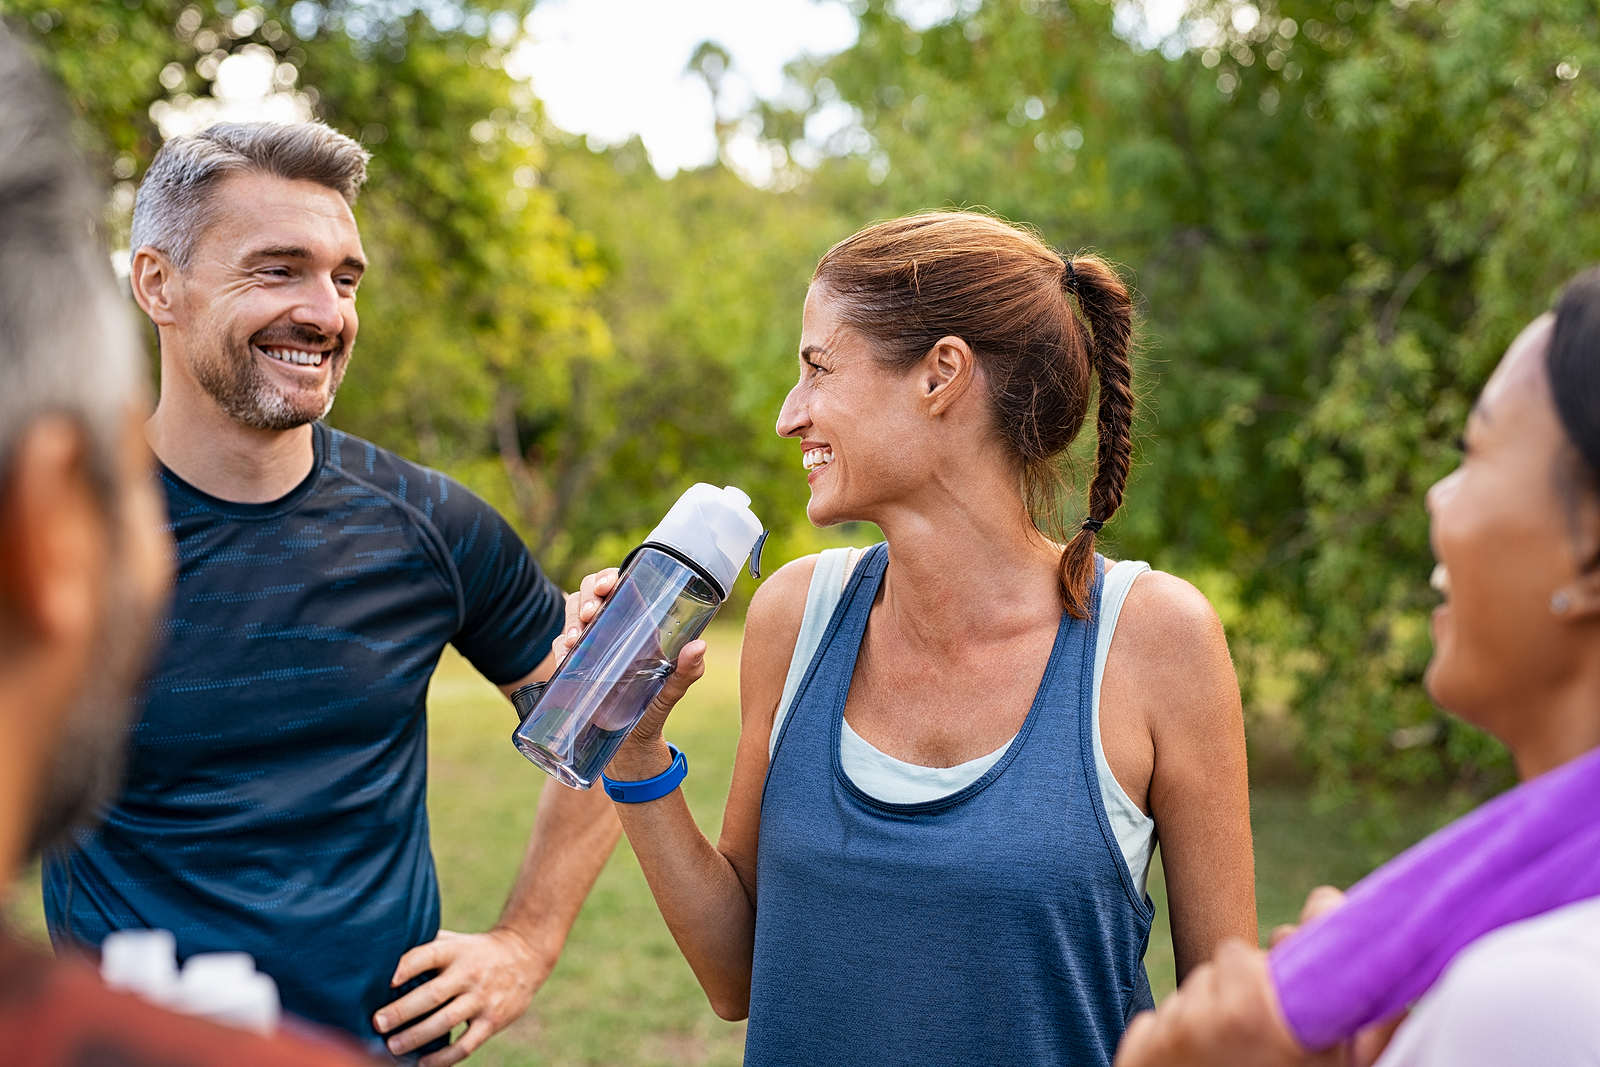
<point>224,987</point>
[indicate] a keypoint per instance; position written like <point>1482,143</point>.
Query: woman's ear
<point>1579,598</point>
<point>947,372</point>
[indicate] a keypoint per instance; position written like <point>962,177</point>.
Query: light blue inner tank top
<point>997,924</point>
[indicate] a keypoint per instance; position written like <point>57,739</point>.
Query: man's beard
<point>86,768</point>
<point>237,384</point>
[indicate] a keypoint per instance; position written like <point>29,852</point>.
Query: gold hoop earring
<point>1559,603</point>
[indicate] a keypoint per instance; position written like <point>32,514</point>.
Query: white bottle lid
<point>141,961</point>
<point>714,527</point>
<point>226,988</point>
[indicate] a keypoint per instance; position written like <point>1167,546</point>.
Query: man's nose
<point>320,307</point>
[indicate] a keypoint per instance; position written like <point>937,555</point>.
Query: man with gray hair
<point>275,800</point>
<point>84,569</point>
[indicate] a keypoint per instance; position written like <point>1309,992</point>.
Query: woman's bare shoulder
<point>771,628</point>
<point>1165,614</point>
<point>1170,639</point>
<point>780,600</point>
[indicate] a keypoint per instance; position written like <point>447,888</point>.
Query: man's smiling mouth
<point>297,356</point>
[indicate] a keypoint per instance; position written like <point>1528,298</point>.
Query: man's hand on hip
<point>484,980</point>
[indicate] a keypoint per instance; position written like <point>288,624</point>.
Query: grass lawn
<point>622,994</point>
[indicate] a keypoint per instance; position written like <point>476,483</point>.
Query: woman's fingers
<point>1320,901</point>
<point>691,665</point>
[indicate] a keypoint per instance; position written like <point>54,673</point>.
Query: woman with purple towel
<point>1481,945</point>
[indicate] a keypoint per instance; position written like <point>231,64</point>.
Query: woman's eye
<point>1461,443</point>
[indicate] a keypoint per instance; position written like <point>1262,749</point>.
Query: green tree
<point>1337,215</point>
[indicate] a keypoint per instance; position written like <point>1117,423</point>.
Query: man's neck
<point>221,456</point>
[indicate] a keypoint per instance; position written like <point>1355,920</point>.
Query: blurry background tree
<point>1337,215</point>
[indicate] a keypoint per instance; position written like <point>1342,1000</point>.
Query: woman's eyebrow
<point>812,350</point>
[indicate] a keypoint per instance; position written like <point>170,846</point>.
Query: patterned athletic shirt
<point>275,800</point>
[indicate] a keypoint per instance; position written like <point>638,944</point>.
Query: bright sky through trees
<point>611,69</point>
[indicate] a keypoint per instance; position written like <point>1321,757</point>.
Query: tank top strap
<point>828,579</point>
<point>846,615</point>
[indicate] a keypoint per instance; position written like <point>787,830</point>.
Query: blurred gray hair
<point>175,204</point>
<point>67,339</point>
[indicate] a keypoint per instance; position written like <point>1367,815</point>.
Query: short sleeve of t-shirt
<point>1527,995</point>
<point>510,611</point>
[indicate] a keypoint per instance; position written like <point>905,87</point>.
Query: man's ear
<point>54,540</point>
<point>947,372</point>
<point>154,282</point>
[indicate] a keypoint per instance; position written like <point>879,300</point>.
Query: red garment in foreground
<point>59,1014</point>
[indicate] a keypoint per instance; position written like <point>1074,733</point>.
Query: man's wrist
<point>530,941</point>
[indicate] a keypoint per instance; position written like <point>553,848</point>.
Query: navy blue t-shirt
<point>275,798</point>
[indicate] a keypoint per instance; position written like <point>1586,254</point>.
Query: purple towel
<point>1526,852</point>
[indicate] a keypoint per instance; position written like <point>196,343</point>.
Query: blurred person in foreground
<point>1504,929</point>
<point>959,747</point>
<point>84,568</point>
<point>276,793</point>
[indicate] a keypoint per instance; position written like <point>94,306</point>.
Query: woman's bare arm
<point>1173,732</point>
<point>705,893</point>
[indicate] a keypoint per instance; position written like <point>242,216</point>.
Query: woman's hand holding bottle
<point>645,753</point>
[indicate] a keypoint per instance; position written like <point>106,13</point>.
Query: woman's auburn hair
<point>1038,325</point>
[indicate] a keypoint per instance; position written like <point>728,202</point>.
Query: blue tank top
<point>998,925</point>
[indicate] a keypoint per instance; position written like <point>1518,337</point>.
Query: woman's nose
<point>1439,490</point>
<point>792,417</point>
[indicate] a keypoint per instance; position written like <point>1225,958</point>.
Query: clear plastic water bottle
<point>669,589</point>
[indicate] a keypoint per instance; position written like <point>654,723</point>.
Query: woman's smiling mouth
<point>1440,580</point>
<point>813,458</point>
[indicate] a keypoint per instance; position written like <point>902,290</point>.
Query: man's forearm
<point>573,836</point>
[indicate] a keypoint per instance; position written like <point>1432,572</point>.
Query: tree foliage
<point>1337,214</point>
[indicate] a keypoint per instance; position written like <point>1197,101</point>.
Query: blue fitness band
<point>650,788</point>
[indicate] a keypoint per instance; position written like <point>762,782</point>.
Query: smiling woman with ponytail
<point>960,746</point>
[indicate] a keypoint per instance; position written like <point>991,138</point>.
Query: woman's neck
<point>1566,726</point>
<point>1559,723</point>
<point>967,568</point>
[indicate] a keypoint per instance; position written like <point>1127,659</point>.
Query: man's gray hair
<point>67,340</point>
<point>174,206</point>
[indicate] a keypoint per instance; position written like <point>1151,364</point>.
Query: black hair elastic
<point>1093,525</point>
<point>1072,276</point>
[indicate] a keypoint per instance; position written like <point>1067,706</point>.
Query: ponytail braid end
<point>1107,309</point>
